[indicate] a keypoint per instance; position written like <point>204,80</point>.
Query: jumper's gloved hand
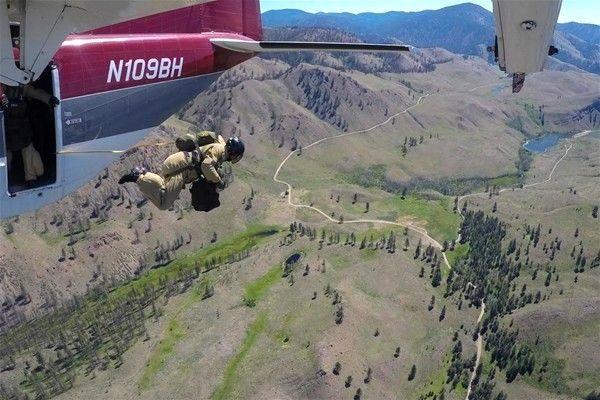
<point>54,101</point>
<point>221,186</point>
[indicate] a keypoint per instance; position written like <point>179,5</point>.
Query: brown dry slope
<point>288,343</point>
<point>464,132</point>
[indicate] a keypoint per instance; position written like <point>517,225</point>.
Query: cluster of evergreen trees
<point>91,333</point>
<point>320,97</point>
<point>460,369</point>
<point>410,142</point>
<point>489,274</point>
<point>382,242</point>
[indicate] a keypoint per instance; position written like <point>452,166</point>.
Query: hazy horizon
<point>571,11</point>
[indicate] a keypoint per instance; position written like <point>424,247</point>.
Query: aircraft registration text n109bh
<point>139,69</point>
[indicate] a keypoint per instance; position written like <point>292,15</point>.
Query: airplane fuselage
<point>114,89</point>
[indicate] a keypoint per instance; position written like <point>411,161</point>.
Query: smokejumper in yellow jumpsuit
<point>185,167</point>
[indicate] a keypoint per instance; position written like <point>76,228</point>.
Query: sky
<point>586,11</point>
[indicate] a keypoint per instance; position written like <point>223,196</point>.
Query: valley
<point>388,222</point>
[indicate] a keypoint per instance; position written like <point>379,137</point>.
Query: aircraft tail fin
<point>231,16</point>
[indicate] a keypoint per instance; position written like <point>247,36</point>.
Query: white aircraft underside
<point>524,32</point>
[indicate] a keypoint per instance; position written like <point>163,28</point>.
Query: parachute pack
<point>192,141</point>
<point>204,195</point>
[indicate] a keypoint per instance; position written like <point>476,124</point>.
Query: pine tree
<point>437,277</point>
<point>403,150</point>
<point>368,376</point>
<point>348,381</point>
<point>339,315</point>
<point>431,303</point>
<point>413,372</point>
<point>548,279</point>
<point>417,250</point>
<point>363,243</point>
<point>337,368</point>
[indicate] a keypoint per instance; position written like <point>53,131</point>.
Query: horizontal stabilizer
<point>251,46</point>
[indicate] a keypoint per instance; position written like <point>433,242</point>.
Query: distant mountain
<point>465,29</point>
<point>588,32</point>
<point>579,45</point>
<point>415,61</point>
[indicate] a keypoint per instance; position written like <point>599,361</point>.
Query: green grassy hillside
<point>124,301</point>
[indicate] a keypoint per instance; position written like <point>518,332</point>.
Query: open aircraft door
<point>46,122</point>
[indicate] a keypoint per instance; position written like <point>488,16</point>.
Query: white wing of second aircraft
<point>524,30</point>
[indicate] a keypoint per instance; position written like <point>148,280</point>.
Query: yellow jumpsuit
<point>178,170</point>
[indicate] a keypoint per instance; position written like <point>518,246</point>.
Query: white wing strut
<point>9,73</point>
<point>251,46</point>
<point>46,23</point>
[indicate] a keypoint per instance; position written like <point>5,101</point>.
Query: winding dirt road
<point>419,230</point>
<point>479,345</point>
<point>422,231</point>
<point>550,176</point>
<point>414,228</point>
<point>479,342</point>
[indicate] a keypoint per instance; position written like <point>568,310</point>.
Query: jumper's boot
<point>133,175</point>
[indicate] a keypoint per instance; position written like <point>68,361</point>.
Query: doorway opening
<point>30,134</point>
